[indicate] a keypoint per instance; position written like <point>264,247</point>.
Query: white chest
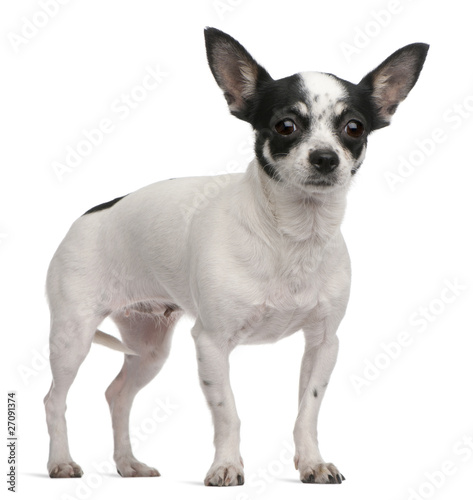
<point>267,325</point>
<point>283,311</point>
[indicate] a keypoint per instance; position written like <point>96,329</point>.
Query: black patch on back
<point>104,206</point>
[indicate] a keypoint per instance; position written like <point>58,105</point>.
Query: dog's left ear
<point>235,71</point>
<point>392,80</point>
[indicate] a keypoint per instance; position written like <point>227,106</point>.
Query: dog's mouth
<point>320,182</point>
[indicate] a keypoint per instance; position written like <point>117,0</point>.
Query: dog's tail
<point>107,340</point>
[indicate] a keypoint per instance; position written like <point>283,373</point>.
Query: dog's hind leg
<point>150,337</point>
<point>70,341</point>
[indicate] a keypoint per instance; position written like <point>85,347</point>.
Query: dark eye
<point>285,127</point>
<point>354,129</point>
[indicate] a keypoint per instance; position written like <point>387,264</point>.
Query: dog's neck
<point>294,214</point>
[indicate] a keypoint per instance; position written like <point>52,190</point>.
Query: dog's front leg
<point>213,364</point>
<point>317,364</point>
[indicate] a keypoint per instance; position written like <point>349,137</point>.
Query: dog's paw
<point>225,474</point>
<point>66,469</point>
<point>320,473</point>
<point>133,468</point>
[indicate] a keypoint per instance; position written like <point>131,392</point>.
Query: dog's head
<point>311,128</point>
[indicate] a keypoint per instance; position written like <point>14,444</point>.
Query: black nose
<point>324,160</point>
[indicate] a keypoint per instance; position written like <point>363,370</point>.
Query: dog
<point>262,259</point>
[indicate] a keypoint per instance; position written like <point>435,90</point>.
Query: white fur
<point>302,108</point>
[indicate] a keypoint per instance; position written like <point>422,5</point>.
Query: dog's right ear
<point>235,71</point>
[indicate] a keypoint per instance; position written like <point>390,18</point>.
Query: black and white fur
<point>260,261</point>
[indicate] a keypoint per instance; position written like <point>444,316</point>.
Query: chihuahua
<point>261,259</point>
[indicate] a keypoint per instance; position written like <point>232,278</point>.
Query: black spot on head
<point>220,404</point>
<point>206,382</point>
<point>104,206</point>
<point>360,99</point>
<point>315,393</point>
<point>357,106</point>
<point>277,101</point>
<point>355,169</point>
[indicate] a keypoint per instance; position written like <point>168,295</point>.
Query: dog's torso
<point>247,268</point>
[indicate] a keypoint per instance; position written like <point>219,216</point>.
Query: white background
<point>406,242</point>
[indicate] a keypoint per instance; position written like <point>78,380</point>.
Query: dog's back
<point>135,248</point>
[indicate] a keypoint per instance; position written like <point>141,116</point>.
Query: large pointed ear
<point>392,80</point>
<point>235,71</point>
